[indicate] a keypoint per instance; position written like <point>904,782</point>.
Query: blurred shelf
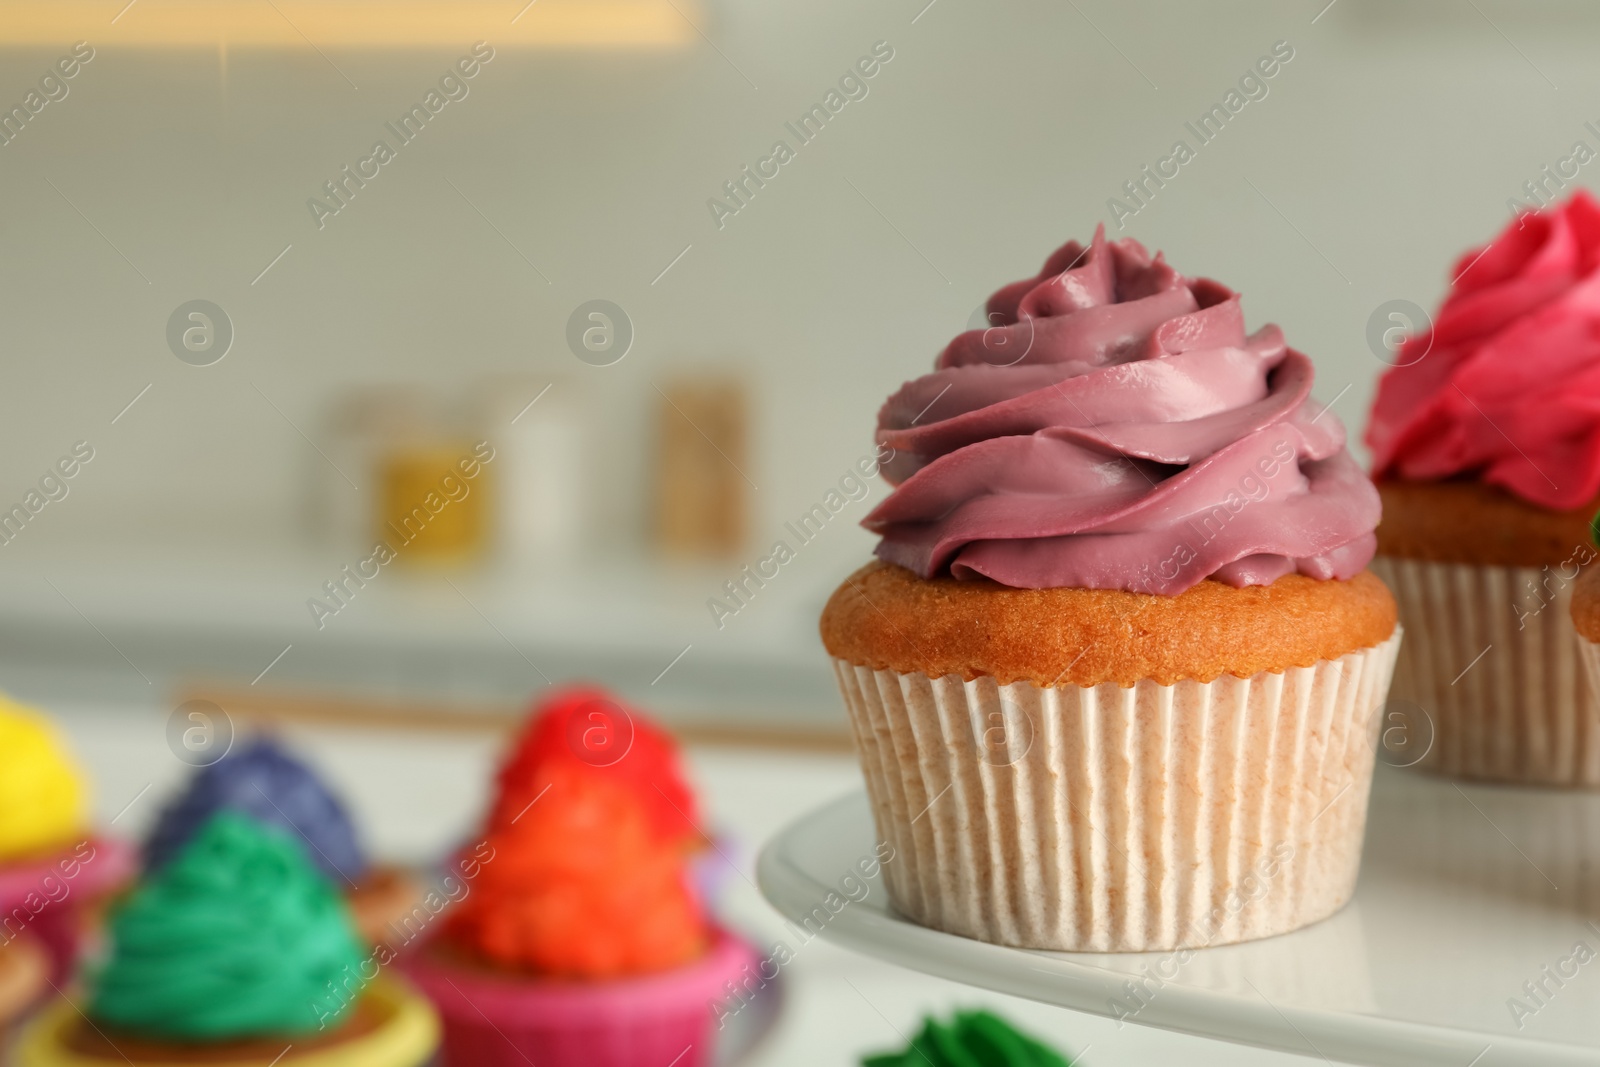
<point>1456,909</point>
<point>271,704</point>
<point>111,621</point>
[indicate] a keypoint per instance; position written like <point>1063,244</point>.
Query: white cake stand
<point>1466,893</point>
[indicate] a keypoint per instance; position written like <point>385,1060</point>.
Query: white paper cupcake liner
<point>1589,656</point>
<point>1492,658</point>
<point>1121,819</point>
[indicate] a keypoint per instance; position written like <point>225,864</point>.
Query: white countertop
<point>416,793</point>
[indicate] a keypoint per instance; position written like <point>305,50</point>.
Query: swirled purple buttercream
<point>1116,428</point>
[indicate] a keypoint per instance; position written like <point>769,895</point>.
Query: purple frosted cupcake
<point>265,782</point>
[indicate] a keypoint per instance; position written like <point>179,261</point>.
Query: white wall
<point>1391,141</point>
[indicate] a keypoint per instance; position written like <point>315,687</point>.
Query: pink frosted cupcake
<point>1485,440</point>
<point>581,939</point>
<point>1115,678</point>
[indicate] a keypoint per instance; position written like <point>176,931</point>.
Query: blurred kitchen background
<point>370,348</point>
<point>250,391</point>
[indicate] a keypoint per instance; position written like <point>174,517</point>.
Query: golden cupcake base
<point>393,1026</point>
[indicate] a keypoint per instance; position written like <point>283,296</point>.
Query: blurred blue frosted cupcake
<point>265,782</point>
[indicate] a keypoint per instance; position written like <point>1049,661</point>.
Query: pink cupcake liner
<point>39,897</point>
<point>510,1021</point>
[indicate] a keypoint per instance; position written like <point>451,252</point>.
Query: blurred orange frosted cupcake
<point>1485,440</point>
<point>581,941</point>
<point>1114,680</point>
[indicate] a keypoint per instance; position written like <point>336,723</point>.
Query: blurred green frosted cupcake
<point>237,952</point>
<point>970,1039</point>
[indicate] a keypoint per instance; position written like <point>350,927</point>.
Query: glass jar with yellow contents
<point>434,500</point>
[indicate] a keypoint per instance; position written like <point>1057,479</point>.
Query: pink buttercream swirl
<point>1117,429</point>
<point>1506,386</point>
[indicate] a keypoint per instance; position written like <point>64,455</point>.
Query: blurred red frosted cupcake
<point>53,871</point>
<point>1485,440</point>
<point>581,939</point>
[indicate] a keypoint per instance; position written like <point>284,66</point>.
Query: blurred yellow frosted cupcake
<point>43,802</point>
<point>51,867</point>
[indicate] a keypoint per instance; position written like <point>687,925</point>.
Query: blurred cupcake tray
<point>1473,938</point>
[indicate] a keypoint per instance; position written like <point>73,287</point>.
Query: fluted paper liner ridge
<point>1121,819</point>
